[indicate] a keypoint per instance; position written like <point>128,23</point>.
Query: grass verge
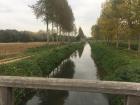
<point>117,65</point>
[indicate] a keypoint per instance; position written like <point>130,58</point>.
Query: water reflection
<point>52,97</point>
<point>66,70</point>
<point>79,66</point>
<point>85,67</point>
<point>80,51</point>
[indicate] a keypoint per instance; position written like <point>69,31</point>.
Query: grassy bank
<point>43,61</point>
<point>117,65</point>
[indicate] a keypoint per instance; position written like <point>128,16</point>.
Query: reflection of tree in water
<point>23,95</point>
<point>51,97</point>
<point>80,51</point>
<point>66,70</point>
<point>74,55</point>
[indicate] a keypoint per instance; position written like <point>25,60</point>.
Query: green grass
<point>117,65</point>
<point>44,60</point>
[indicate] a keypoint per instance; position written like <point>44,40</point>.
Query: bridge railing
<point>7,83</point>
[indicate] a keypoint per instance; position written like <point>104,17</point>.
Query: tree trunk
<point>68,37</point>
<point>61,34</point>
<point>47,31</point>
<point>129,44</point>
<point>107,40</point>
<point>139,44</point>
<point>117,41</point>
<point>57,32</point>
<point>52,31</point>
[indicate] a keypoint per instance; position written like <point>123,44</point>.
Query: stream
<point>79,65</point>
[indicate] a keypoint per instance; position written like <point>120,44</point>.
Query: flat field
<point>13,49</point>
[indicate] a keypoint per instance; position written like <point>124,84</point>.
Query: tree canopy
<point>57,12</point>
<point>81,35</point>
<point>119,20</point>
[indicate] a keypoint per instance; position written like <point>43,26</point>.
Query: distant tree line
<point>27,36</point>
<point>21,36</point>
<point>119,21</point>
<point>57,15</point>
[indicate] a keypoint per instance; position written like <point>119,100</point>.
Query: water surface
<point>80,65</point>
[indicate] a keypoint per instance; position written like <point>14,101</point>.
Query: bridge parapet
<point>7,83</point>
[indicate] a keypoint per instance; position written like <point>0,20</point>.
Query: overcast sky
<point>16,14</point>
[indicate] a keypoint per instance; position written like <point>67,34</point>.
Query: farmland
<point>16,49</point>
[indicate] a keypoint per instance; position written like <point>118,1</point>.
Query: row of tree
<point>7,36</point>
<point>27,36</point>
<point>57,15</point>
<point>119,21</point>
<point>21,36</point>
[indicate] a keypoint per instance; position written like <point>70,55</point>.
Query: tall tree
<point>136,19</point>
<point>120,19</point>
<point>81,35</point>
<point>58,12</point>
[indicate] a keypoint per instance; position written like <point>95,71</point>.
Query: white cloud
<point>16,14</point>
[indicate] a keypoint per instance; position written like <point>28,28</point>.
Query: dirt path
<point>14,59</point>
